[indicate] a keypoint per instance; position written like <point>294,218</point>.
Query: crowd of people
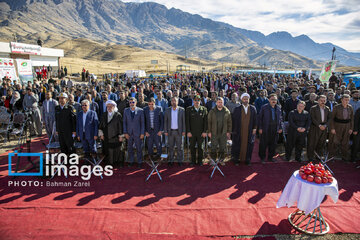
<point>127,114</point>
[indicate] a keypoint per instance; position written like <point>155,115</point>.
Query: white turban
<point>110,102</point>
<point>244,95</point>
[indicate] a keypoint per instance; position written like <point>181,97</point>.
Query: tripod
<point>23,138</point>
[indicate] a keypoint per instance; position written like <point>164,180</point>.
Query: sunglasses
<point>131,102</point>
<point>83,105</point>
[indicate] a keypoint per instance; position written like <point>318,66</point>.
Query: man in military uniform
<point>65,117</point>
<point>196,127</point>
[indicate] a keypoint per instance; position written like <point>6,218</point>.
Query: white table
<point>308,196</point>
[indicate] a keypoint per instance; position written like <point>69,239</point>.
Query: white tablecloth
<point>308,195</point>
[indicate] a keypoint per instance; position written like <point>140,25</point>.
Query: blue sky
<point>335,21</point>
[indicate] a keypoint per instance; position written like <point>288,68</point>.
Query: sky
<point>335,21</point>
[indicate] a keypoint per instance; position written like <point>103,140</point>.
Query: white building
<point>39,56</point>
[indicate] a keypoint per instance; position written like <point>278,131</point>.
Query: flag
<point>310,73</point>
<point>326,71</point>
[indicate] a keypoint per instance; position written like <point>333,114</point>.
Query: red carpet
<point>186,205</point>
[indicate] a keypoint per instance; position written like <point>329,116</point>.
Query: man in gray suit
<point>134,129</point>
<point>174,128</point>
<point>30,103</point>
<point>48,113</point>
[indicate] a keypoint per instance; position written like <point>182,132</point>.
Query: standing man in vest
<point>341,127</point>
<point>320,119</point>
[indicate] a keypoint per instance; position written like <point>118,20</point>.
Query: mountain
<point>302,45</point>
<point>147,25</point>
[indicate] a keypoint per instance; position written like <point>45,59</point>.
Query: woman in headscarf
<point>15,102</point>
<point>110,132</point>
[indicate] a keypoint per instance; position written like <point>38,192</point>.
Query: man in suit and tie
<point>154,126</point>
<point>134,129</point>
<point>87,128</point>
<point>48,113</point>
<point>320,117</point>
<point>174,128</point>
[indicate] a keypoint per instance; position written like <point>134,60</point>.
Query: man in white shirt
<point>174,128</point>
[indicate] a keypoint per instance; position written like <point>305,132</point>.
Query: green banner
<point>326,71</point>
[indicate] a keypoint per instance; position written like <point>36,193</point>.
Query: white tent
<point>135,73</point>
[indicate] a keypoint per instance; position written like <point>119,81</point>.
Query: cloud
<point>333,21</point>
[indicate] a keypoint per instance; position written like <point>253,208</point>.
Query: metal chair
<point>325,158</point>
<point>214,162</point>
<point>5,123</point>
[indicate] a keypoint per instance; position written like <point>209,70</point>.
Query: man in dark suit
<point>174,128</point>
<point>134,130</point>
<point>154,126</point>
<point>212,103</point>
<point>190,101</point>
<point>270,125</point>
<point>299,123</point>
<point>65,117</point>
<point>196,128</point>
<point>87,128</point>
<point>291,103</point>
<point>102,103</point>
<point>320,118</point>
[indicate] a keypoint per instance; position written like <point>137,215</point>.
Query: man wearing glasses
<point>196,127</point>
<point>154,125</point>
<point>134,129</point>
<point>87,128</point>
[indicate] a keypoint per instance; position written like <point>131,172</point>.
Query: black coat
<point>65,120</point>
<point>112,130</point>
